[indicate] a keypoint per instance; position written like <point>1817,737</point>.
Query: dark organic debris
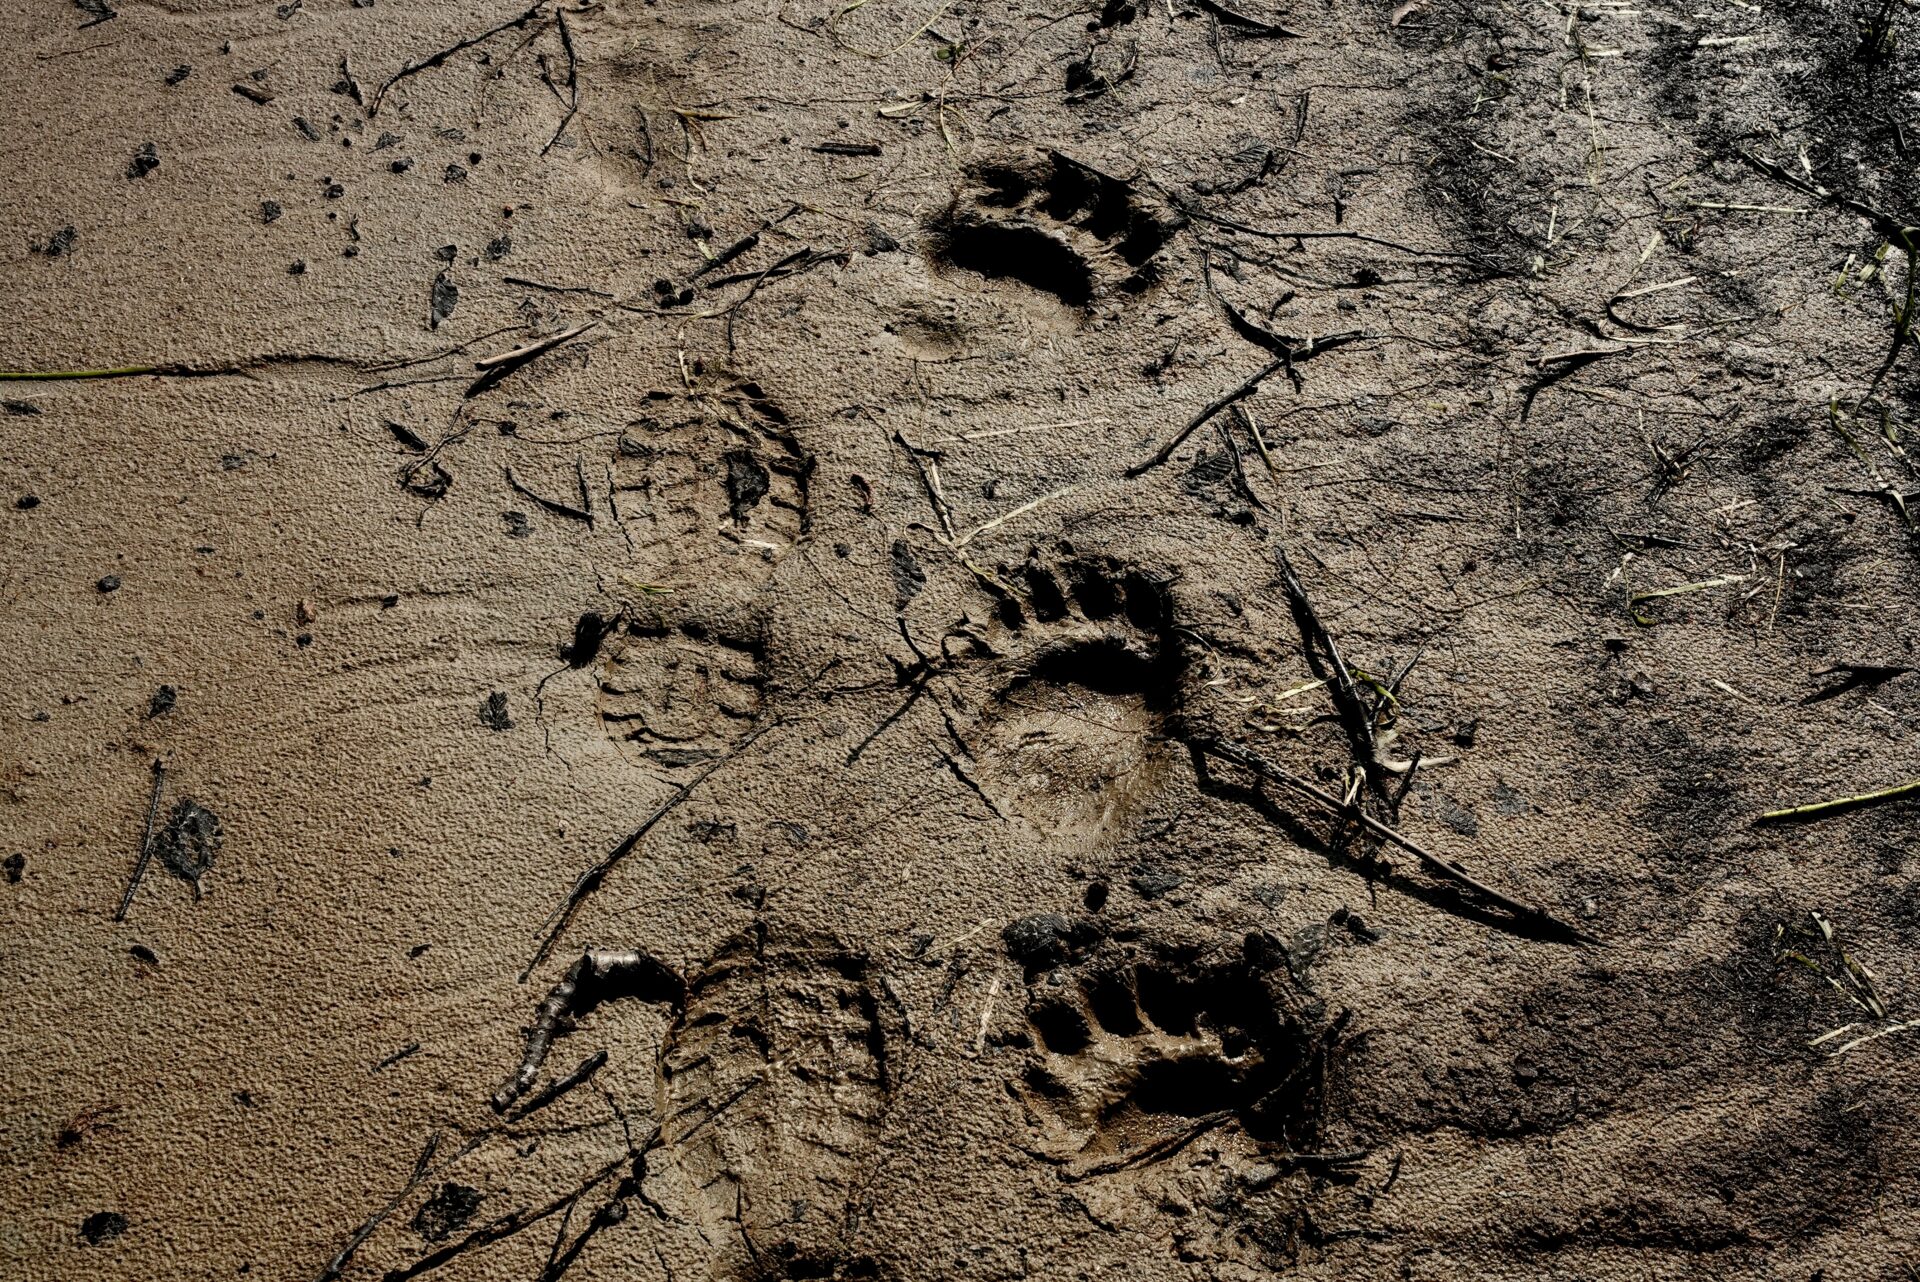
<point>493,712</point>
<point>162,703</point>
<point>442,299</point>
<point>447,1211</point>
<point>601,974</point>
<point>15,866</point>
<point>188,843</point>
<point>146,159</point>
<point>58,244</point>
<point>1046,940</point>
<point>589,634</point>
<point>748,481</point>
<point>102,1226</point>
<point>99,10</point>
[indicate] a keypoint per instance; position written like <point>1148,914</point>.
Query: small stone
<point>304,612</point>
<point>1154,883</point>
<point>108,583</point>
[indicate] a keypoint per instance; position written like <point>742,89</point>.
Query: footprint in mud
<point>774,1083</point>
<point>732,1112</point>
<point>1057,226</point>
<point>711,485</point>
<point>1142,1050</point>
<point>1073,737</point>
<point>677,696</point>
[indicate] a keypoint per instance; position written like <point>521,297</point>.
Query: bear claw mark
<point>1144,1050</point>
<point>1074,733</point>
<point>1058,226</point>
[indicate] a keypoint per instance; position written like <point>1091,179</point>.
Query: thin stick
<point>1444,867</point>
<point>589,881</point>
<point>33,376</point>
<point>337,1265</point>
<point>1199,420</point>
<point>428,63</point>
<point>146,839</point>
<point>930,481</point>
<point>1820,809</point>
<point>552,505</point>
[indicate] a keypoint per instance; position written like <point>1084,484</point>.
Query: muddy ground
<point>699,640</point>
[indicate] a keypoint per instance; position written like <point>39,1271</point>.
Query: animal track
<point>677,696</point>
<point>1074,736</point>
<point>1057,226</point>
<point>712,484</point>
<point>774,1083</point>
<point>769,1066</point>
<point>1143,1049</point>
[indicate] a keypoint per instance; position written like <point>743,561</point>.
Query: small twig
<point>434,60</point>
<point>587,1068</point>
<point>146,839</point>
<point>1820,809</point>
<point>1447,868</point>
<point>498,367</point>
<point>930,481</point>
<point>552,505</point>
<point>506,1226</point>
<point>573,81</point>
<point>338,1264</point>
<point>1199,420</point>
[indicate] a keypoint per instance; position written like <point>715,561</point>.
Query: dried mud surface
<point>785,775</point>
